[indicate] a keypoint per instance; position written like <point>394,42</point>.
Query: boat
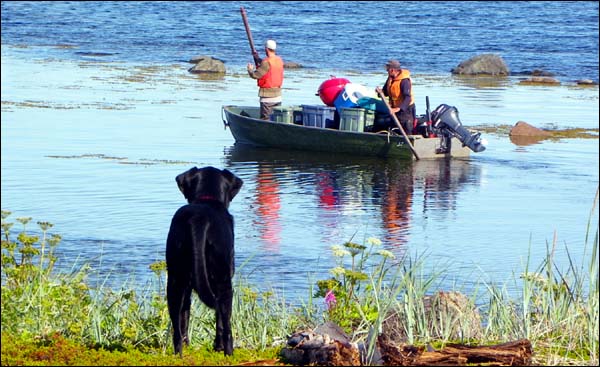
<point>247,128</point>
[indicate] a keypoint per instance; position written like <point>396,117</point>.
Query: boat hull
<point>247,128</point>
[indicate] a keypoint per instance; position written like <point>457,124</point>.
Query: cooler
<point>344,100</point>
<point>318,116</point>
<point>356,119</point>
<point>350,96</point>
<point>286,115</point>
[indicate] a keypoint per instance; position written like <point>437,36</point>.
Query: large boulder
<point>207,64</point>
<point>522,128</point>
<point>448,314</point>
<point>486,64</point>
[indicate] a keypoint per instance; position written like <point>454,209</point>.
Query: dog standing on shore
<point>200,253</point>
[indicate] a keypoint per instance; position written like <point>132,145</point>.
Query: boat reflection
<point>394,194</point>
<point>268,204</point>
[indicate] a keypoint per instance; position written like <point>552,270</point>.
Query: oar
<point>384,98</point>
<point>249,34</point>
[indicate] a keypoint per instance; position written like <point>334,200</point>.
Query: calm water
<point>93,143</point>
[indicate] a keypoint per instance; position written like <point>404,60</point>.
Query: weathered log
<point>515,353</point>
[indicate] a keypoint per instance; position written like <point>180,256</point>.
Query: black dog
<point>200,253</point>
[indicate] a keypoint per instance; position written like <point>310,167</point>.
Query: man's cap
<point>271,45</point>
<point>393,64</point>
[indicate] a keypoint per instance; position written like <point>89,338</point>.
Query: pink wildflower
<point>330,299</point>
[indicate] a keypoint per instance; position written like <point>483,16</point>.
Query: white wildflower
<point>373,241</point>
<point>339,251</point>
<point>386,253</point>
<point>338,270</point>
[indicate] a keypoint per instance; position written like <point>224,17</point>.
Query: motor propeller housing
<point>445,119</point>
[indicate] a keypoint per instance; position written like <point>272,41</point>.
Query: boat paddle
<point>393,115</point>
<point>249,34</point>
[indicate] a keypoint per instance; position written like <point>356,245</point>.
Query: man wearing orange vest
<point>398,88</point>
<point>270,79</point>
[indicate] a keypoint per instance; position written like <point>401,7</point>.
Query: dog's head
<point>208,183</point>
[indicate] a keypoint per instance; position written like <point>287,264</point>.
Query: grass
<point>57,318</point>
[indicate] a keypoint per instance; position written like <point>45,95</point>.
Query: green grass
<point>57,318</point>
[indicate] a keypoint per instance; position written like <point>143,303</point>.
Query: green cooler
<point>355,119</point>
<point>287,115</point>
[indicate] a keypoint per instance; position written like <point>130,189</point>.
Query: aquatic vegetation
<point>122,160</point>
<point>555,133</point>
<point>73,106</point>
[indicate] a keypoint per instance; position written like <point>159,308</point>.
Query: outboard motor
<point>445,119</point>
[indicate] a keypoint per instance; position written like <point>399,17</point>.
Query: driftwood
<point>328,345</point>
<point>515,353</point>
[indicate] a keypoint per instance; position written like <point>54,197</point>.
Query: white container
<point>351,94</point>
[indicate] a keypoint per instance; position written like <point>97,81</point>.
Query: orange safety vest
<point>274,77</point>
<point>394,92</point>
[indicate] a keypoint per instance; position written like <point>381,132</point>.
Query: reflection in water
<point>328,191</point>
<point>268,206</point>
<point>526,140</point>
<point>393,191</point>
<point>350,190</point>
<point>441,183</point>
<point>483,81</point>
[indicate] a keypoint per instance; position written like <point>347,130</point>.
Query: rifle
<point>255,56</point>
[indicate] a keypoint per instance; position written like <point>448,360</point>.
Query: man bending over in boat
<point>398,88</point>
<point>270,79</point>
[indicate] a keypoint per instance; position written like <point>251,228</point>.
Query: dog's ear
<point>183,181</point>
<point>235,183</point>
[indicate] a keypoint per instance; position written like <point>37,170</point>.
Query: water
<point>427,37</point>
<point>93,143</point>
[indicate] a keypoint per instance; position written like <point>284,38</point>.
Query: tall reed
<point>369,292</point>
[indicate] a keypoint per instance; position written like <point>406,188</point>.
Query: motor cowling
<point>445,118</point>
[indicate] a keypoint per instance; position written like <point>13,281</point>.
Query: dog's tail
<point>200,281</point>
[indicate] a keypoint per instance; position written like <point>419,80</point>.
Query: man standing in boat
<point>398,88</point>
<point>270,79</point>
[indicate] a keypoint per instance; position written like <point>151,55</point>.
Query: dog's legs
<point>175,300</point>
<point>223,338</point>
<point>184,319</point>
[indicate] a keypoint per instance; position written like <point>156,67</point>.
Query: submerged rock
<point>540,80</point>
<point>586,82</point>
<point>292,65</point>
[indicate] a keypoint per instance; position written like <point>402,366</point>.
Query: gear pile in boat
<point>443,122</point>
